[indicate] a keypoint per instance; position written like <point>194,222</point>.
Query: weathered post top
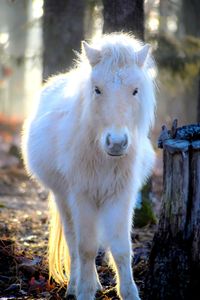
<point>182,137</point>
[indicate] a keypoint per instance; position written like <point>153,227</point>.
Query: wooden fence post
<point>174,262</point>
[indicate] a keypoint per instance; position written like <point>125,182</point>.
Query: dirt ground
<point>24,231</point>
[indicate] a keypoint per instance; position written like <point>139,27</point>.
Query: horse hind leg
<point>71,242</point>
<point>70,239</point>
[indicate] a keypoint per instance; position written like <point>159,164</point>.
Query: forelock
<point>118,49</point>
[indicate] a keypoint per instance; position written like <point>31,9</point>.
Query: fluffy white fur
<point>93,194</point>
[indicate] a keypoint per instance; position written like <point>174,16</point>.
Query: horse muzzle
<point>116,145</point>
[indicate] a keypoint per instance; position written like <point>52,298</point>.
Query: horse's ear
<point>93,55</point>
<point>142,54</point>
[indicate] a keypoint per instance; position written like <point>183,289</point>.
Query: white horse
<point>87,142</point>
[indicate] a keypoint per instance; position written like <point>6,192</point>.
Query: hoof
<point>70,297</point>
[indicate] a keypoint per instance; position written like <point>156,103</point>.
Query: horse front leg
<point>87,242</point>
<point>118,226</point>
<point>121,251</point>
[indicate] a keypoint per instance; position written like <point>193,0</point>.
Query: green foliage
<point>145,215</point>
<point>179,57</point>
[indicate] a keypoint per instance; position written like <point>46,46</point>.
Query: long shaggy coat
<point>87,142</point>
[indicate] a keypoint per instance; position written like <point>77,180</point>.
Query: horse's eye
<point>97,90</point>
<point>135,91</point>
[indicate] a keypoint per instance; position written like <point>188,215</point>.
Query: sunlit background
<point>21,53</point>
<point>172,27</point>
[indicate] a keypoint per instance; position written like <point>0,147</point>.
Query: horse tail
<point>59,258</point>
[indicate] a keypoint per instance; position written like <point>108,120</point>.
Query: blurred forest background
<point>36,40</point>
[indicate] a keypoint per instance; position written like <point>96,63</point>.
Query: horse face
<point>116,108</point>
<point>118,87</point>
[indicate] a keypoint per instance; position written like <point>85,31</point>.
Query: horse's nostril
<point>125,141</point>
<point>108,140</point>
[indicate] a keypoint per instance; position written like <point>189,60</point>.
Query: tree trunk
<point>164,12</point>
<point>198,101</point>
<point>190,17</point>
<point>174,262</point>
<point>127,15</point>
<point>63,29</point>
<point>13,21</point>
<point>190,26</point>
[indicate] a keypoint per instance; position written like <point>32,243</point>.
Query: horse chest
<point>104,184</point>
